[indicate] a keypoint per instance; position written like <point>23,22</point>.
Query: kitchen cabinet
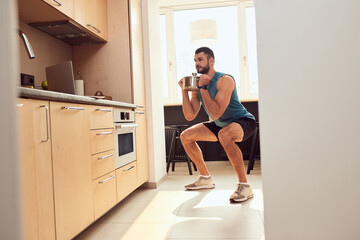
<point>36,169</point>
<point>102,159</point>
<point>64,6</point>
<point>126,180</point>
<point>73,187</point>
<point>92,14</point>
<point>104,193</point>
<point>107,67</point>
<point>138,82</point>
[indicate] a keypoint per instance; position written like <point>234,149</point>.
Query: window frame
<point>244,80</point>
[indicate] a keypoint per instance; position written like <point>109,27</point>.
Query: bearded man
<point>231,123</point>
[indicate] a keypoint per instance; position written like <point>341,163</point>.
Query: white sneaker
<point>202,182</point>
<point>242,193</point>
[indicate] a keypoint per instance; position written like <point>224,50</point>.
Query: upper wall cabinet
<point>77,22</point>
<point>92,14</point>
<point>64,6</point>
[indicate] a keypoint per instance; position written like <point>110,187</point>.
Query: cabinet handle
<point>58,2</point>
<point>104,133</point>
<point>140,112</point>
<point>105,180</point>
<point>125,170</point>
<point>106,156</point>
<point>73,108</point>
<point>89,25</point>
<point>103,110</point>
<point>47,122</point>
<point>19,105</point>
<point>140,106</point>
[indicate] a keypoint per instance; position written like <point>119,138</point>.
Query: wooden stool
<point>176,152</point>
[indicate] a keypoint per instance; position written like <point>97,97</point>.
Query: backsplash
<point>48,51</point>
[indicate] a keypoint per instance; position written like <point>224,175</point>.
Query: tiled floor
<point>170,212</point>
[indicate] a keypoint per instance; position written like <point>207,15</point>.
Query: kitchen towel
<point>79,87</point>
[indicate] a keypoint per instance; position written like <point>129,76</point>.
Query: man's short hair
<point>207,51</point>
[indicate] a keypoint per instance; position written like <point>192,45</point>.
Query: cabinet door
<point>73,191</point>
<point>64,6</point>
<point>36,169</point>
<point>126,180</point>
<point>93,15</point>
<point>104,193</point>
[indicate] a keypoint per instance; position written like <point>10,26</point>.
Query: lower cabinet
<point>126,180</point>
<point>68,174</point>
<point>104,194</point>
<point>36,170</point>
<point>73,186</point>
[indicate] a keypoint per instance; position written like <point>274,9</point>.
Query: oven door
<point>125,147</point>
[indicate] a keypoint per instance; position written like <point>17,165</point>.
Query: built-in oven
<point>124,134</point>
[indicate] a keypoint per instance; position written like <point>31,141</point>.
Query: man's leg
<point>228,136</point>
<point>189,137</point>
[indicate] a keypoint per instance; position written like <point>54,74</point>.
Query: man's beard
<point>205,69</point>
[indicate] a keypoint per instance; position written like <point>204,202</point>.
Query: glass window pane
<point>252,53</point>
<point>164,68</point>
<point>226,49</point>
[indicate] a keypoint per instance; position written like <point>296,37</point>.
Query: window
<point>235,50</point>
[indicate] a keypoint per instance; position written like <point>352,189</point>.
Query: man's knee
<point>224,137</point>
<point>185,136</point>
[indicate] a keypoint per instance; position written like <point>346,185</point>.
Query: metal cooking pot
<point>190,82</point>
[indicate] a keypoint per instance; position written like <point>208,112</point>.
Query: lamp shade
<point>203,31</point>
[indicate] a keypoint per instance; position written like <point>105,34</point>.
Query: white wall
<point>9,182</point>
<point>153,88</point>
<point>309,108</point>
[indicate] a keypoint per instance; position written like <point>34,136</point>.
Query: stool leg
<point>189,164</point>
<point>194,166</point>
<point>253,143</point>
<point>171,152</point>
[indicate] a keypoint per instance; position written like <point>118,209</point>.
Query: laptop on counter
<point>60,78</point>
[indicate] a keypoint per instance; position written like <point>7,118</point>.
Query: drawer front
<point>101,117</point>
<point>126,180</point>
<point>102,163</point>
<point>104,194</point>
<point>102,140</point>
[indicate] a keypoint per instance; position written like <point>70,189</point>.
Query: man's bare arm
<point>216,107</point>
<point>191,106</point>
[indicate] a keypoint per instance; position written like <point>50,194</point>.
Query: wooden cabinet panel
<point>104,194</point>
<point>102,140</point>
<point>141,149</point>
<point>102,163</point>
<point>73,191</point>
<point>64,6</point>
<point>107,67</point>
<point>137,53</point>
<point>139,89</point>
<point>36,169</point>
<point>93,15</point>
<point>126,180</point>
<point>101,117</point>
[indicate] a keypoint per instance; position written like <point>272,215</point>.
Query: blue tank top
<point>235,109</point>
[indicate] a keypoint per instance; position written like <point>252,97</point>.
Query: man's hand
<point>181,83</point>
<point>204,80</point>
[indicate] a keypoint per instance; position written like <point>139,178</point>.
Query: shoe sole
<point>200,187</point>
<point>242,199</point>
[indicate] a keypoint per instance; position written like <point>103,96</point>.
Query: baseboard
<point>153,185</point>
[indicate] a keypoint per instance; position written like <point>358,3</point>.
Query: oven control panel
<point>124,115</point>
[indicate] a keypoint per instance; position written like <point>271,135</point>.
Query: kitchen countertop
<point>64,97</point>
